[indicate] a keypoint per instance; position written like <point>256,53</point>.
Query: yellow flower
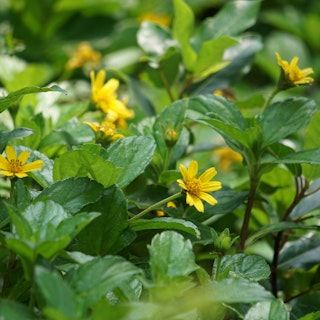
<point>226,157</point>
<point>170,204</point>
<point>16,167</point>
<point>197,188</point>
<point>293,75</point>
<point>83,54</point>
<point>105,96</point>
<point>158,18</point>
<point>105,131</point>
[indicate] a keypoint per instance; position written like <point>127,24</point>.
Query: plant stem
<point>156,205</point>
<point>245,225</point>
<point>166,84</point>
<point>268,101</point>
<point>301,187</point>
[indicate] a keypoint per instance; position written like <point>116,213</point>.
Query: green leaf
<point>94,279</point>
<point>132,154</point>
<point>21,196</point>
<point>58,295</point>
<point>241,56</point>
<point>210,58</point>
<point>268,310</point>
<point>11,310</point>
<point>311,316</point>
<point>73,193</point>
<point>171,117</point>
<point>301,254</point>
<point>165,223</point>
<point>171,257</point>
<point>276,227</point>
<point>236,290</point>
<point>311,156</point>
<point>16,95</point>
<point>216,108</point>
<point>100,236</point>
<point>81,163</point>
<point>155,40</point>
<point>231,20</point>
<point>292,115</point>
<point>250,267</point>
<point>182,29</point>
<point>308,203</point>
<point>5,136</point>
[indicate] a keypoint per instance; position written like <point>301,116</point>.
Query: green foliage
<point>106,228</point>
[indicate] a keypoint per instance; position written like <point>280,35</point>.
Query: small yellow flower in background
<point>158,18</point>
<point>83,54</point>
<point>106,131</point>
<point>14,166</point>
<point>170,204</point>
<point>104,94</point>
<point>227,156</point>
<point>292,74</point>
<point>170,137</point>
<point>226,93</point>
<point>197,188</point>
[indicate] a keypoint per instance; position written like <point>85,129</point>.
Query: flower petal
<point>208,174</point>
<point>23,157</point>
<point>6,173</point>
<point>35,165</point>
<point>4,164</point>
<point>211,186</point>
<point>208,198</point>
<point>183,171</point>
<point>198,204</point>
<point>11,154</point>
<point>193,169</point>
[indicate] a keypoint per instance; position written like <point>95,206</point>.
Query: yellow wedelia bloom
<point>226,157</point>
<point>105,131</point>
<point>292,73</point>
<point>83,54</point>
<point>14,166</point>
<point>197,188</point>
<point>106,98</point>
<point>157,18</point>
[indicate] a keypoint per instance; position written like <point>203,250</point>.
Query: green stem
<point>218,259</point>
<point>155,206</point>
<point>268,101</point>
<point>166,163</point>
<point>166,84</point>
<point>245,225</point>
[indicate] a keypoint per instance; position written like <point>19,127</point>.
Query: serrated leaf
<point>132,154</point>
<point>56,292</point>
<point>251,267</point>
<point>81,163</point>
<point>94,279</point>
<point>103,234</point>
<point>171,257</point>
<point>292,115</point>
<point>268,310</point>
<point>16,95</point>
<point>73,193</point>
<point>165,223</point>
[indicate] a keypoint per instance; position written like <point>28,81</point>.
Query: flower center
<point>193,186</point>
<point>15,165</point>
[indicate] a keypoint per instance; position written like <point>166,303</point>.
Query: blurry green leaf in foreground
<point>5,136</point>
<point>16,95</point>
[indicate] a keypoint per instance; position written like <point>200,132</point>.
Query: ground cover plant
<point>159,160</point>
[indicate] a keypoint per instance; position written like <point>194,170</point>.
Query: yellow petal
<point>211,186</point>
<point>208,175</point>
<point>4,164</point>
<point>20,174</point>
<point>193,169</point>
<point>23,156</point>
<point>182,184</point>
<point>208,198</point>
<point>198,204</point>
<point>110,87</point>
<point>11,154</point>
<point>35,165</point>
<point>183,171</point>
<point>6,173</point>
